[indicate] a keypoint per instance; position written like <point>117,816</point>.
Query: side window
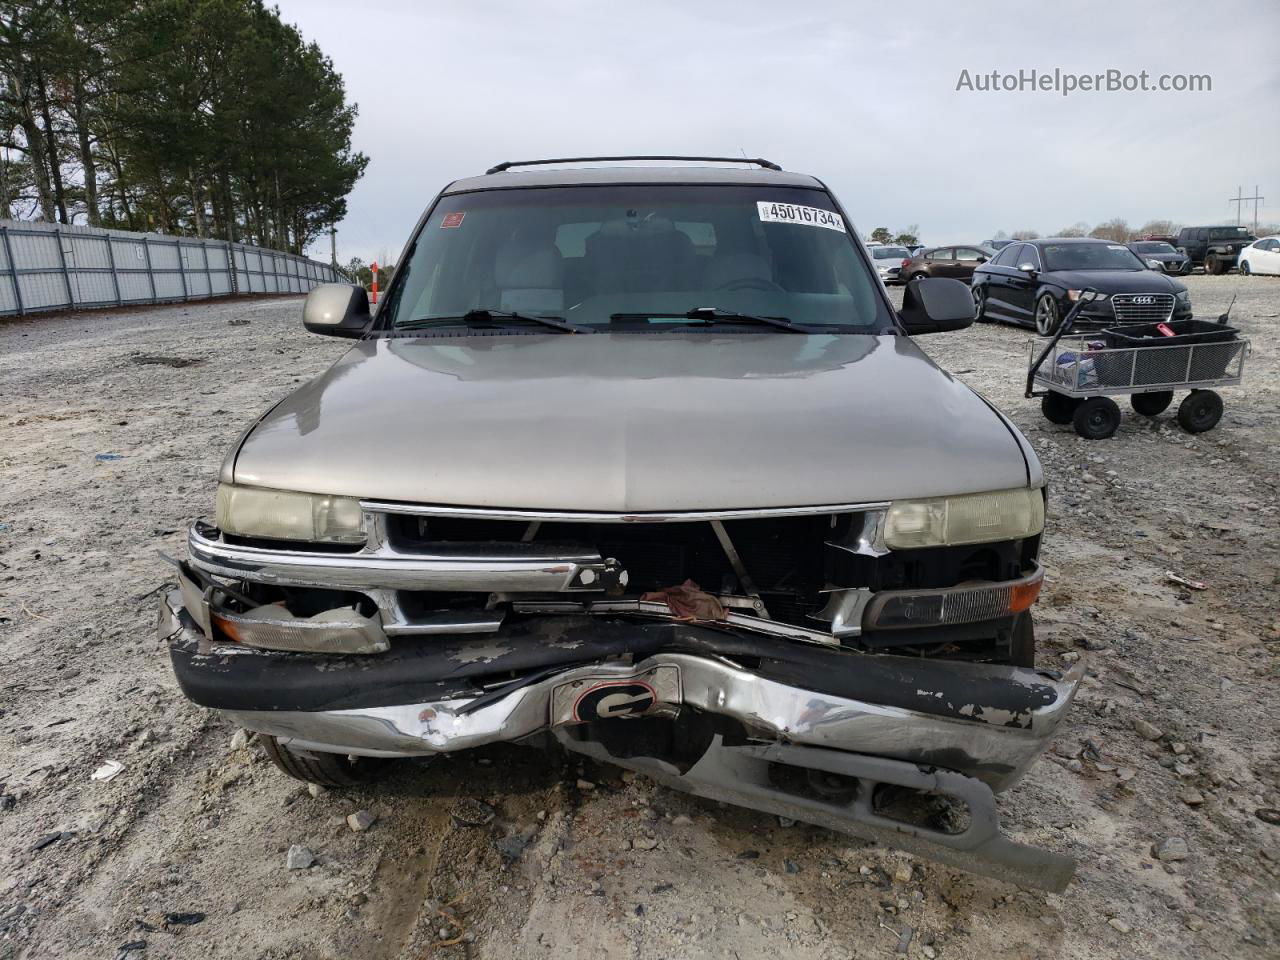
<point>967,253</point>
<point>1027,253</point>
<point>1202,235</point>
<point>1005,257</point>
<point>943,253</point>
<point>1271,244</point>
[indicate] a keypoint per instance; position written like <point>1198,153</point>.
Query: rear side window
<point>942,253</point>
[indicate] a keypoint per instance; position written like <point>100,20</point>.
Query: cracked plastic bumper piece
<point>959,729</point>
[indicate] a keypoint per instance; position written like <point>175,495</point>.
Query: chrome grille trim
<point>1158,309</point>
<point>571,516</point>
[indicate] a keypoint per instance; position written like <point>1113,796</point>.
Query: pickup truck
<point>641,463</point>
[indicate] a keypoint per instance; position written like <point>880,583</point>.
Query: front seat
<point>528,272</point>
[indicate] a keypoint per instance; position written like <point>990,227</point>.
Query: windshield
<point>638,257</point>
<point>890,253</point>
<point>1154,247</point>
<point>1089,256</point>
<point>1230,233</point>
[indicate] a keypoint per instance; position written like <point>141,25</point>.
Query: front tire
<point>1244,268</point>
<point>1151,404</point>
<point>326,769</point>
<point>1212,265</point>
<point>1046,315</point>
<point>1097,418</point>
<point>980,305</point>
<point>1200,410</point>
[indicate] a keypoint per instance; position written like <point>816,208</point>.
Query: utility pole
<point>1240,200</point>
<point>1237,200</point>
<point>333,244</point>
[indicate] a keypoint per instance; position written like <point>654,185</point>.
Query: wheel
<point>1022,641</point>
<point>1046,315</point>
<point>1150,404</point>
<point>1200,410</point>
<point>1096,418</point>
<point>1058,408</point>
<point>980,304</point>
<point>918,276</point>
<point>1212,265</point>
<point>1244,268</point>
<point>326,769</point>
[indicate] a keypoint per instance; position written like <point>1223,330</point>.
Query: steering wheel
<point>753,283</point>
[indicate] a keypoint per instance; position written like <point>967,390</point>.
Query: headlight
<point>1184,296</point>
<point>285,515</point>
<point>972,518</point>
<point>1074,295</point>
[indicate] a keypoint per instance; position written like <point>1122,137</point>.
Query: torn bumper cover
<point>759,707</point>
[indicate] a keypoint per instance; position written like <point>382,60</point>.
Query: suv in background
<point>1214,248</point>
<point>642,462</point>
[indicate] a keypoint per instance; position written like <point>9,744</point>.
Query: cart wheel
<point>1151,404</point>
<point>1199,411</point>
<point>1097,418</point>
<point>1058,408</point>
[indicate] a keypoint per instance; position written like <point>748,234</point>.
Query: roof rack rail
<point>508,164</point>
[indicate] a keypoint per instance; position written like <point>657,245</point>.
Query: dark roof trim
<point>508,164</point>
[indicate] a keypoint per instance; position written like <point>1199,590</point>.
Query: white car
<point>1261,256</point>
<point>889,260</point>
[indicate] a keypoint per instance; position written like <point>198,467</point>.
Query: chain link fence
<point>47,266</point>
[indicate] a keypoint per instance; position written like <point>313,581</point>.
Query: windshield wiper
<point>485,315</point>
<point>708,316</point>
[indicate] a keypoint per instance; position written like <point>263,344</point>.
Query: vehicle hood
<point>634,423</point>
<point>1114,281</point>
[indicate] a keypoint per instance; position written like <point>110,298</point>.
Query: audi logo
<point>1144,299</point>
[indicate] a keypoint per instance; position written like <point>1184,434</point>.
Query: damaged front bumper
<point>744,715</point>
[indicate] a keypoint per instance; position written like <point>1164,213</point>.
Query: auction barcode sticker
<point>771,212</point>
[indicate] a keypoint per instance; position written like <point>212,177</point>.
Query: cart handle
<point>1087,295</point>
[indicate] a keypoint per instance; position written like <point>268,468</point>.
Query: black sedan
<point>1035,283</point>
<point>1164,254</point>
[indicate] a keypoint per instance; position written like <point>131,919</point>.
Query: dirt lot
<point>104,458</point>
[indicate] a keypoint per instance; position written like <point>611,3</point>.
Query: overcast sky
<point>862,95</point>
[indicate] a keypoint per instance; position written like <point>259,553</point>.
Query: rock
<point>1147,731</point>
<point>240,739</point>
<point>585,784</point>
<point>644,843</point>
<point>1194,924</point>
<point>929,953</point>
<point>470,812</point>
<point>902,873</point>
<point>791,866</point>
<point>749,855</point>
<point>624,845</point>
<point>513,846</point>
<point>361,820</point>
<point>1191,797</point>
<point>1120,925</point>
<point>785,822</point>
<point>1178,748</point>
<point>681,820</point>
<point>1171,850</point>
<point>299,858</point>
<point>1184,770</point>
<point>316,790</point>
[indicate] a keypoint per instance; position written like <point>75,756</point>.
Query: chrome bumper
<point>977,749</point>
<point>986,750</point>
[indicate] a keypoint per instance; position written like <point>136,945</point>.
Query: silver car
<point>889,261</point>
<point>642,462</point>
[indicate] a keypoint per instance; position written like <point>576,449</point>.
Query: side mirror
<point>982,259</point>
<point>1029,269</point>
<point>336,310</point>
<point>936,304</point>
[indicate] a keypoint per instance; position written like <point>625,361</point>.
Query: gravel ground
<point>105,457</point>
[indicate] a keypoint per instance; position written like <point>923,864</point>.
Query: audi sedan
<point>1035,282</point>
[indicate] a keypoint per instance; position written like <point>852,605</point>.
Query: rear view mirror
<point>936,304</point>
<point>1028,268</point>
<point>982,259</point>
<point>336,310</point>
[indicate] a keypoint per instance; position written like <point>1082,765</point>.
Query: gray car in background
<point>889,261</point>
<point>641,462</point>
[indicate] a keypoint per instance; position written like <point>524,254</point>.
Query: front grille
<point>1142,307</point>
<point>791,561</point>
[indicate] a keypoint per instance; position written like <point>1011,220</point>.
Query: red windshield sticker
<point>452,220</point>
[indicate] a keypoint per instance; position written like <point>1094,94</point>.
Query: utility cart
<point>1076,375</point>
